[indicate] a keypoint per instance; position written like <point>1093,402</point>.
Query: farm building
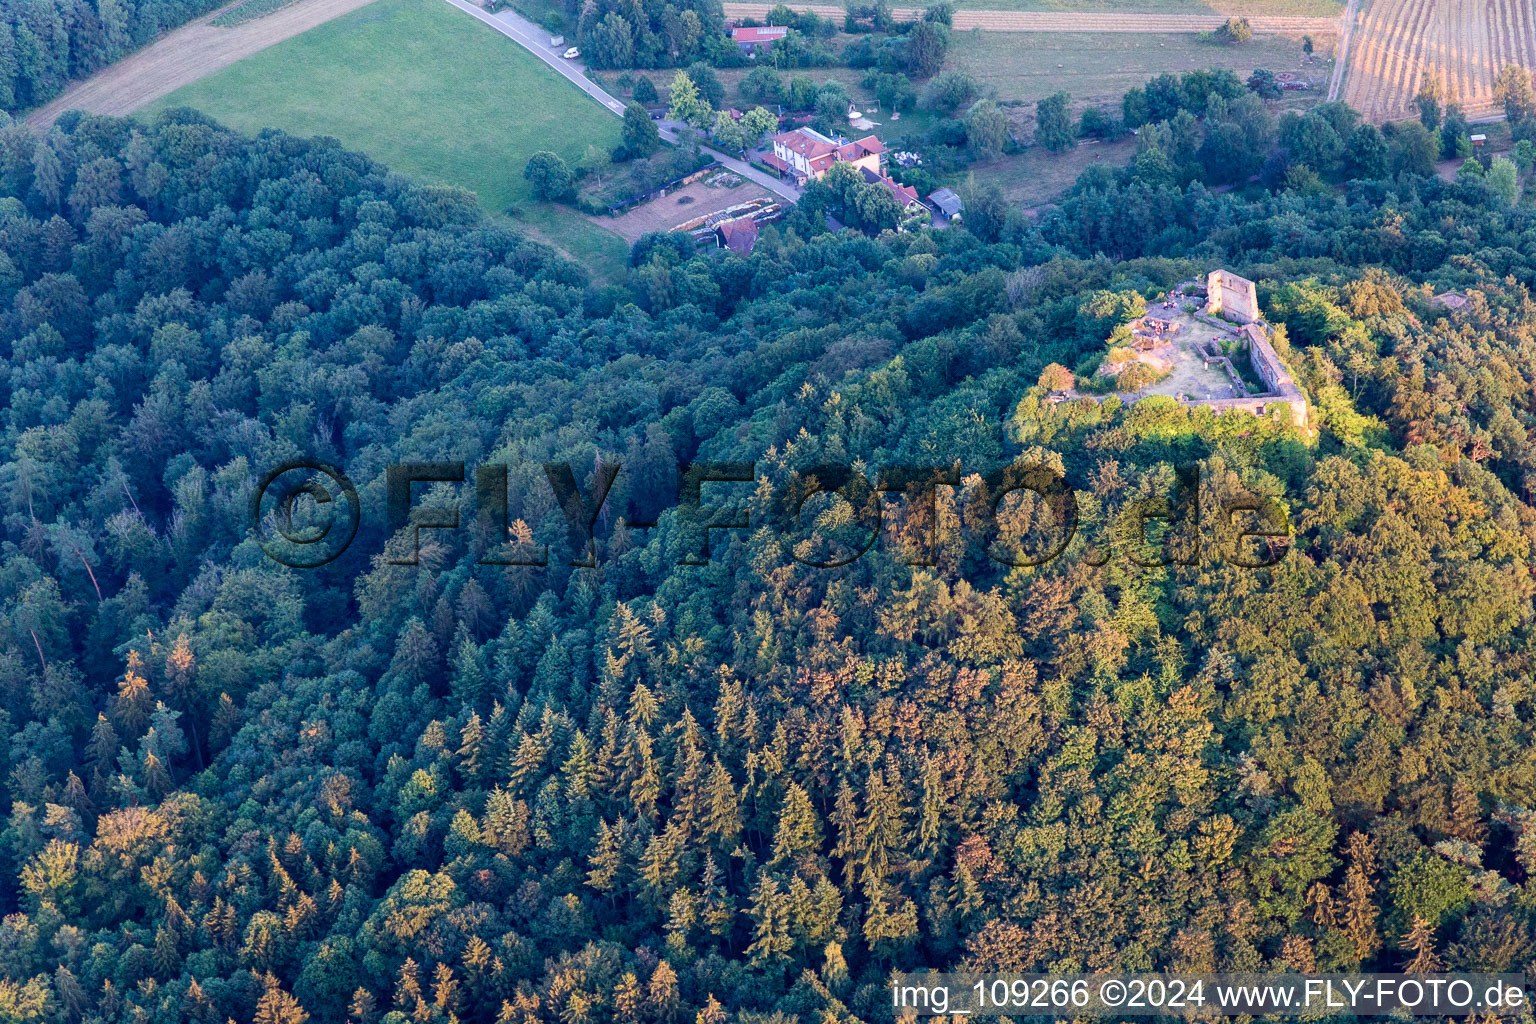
<point>805,154</point>
<point>738,235</point>
<point>946,203</point>
<point>748,39</point>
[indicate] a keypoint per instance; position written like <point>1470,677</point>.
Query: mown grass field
<point>1101,68</point>
<point>431,92</point>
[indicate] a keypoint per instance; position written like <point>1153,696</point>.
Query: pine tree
<point>661,993</point>
<point>1359,889</point>
<point>477,955</point>
<point>627,999</point>
<point>1421,941</point>
<point>363,1008</point>
<point>1297,954</point>
<point>577,771</point>
<point>882,830</point>
<point>932,809</point>
<point>226,719</point>
<point>660,866</point>
<point>712,1013</point>
<point>469,752</point>
<point>47,174</point>
<point>131,705</point>
<point>770,916</point>
<point>157,781</point>
<point>505,823</point>
<point>1320,899</point>
<point>645,789</point>
<point>606,859</point>
<point>845,819</point>
<point>688,786</point>
<point>75,796</point>
<point>407,986</point>
<point>722,812</point>
<point>798,830</point>
<point>719,908</point>
<point>469,681</point>
<point>445,990</point>
<point>277,1007</point>
<point>167,956</point>
<point>525,764</point>
<point>72,995</point>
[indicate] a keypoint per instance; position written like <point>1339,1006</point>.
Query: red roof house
<point>738,235</point>
<point>906,195</point>
<point>805,154</point>
<point>750,39</point>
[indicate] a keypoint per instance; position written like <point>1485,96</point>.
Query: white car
<point>571,54</point>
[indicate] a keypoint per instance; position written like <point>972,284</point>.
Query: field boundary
<point>1069,21</point>
<point>1341,61</point>
<point>183,56</point>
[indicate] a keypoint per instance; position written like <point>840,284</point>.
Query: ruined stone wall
<point>1231,296</point>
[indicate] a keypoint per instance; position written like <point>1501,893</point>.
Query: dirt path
<point>1351,15</point>
<point>1068,21</point>
<point>184,56</point>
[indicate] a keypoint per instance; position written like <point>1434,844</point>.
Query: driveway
<point>535,40</point>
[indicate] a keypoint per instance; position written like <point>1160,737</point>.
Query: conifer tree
<point>769,912</point>
<point>722,812</point>
<point>1359,889</point>
<point>798,831</point>
<point>469,753</point>
<point>363,1009</point>
<point>1420,941</point>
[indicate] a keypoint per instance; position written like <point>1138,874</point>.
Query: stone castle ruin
<point>1267,365</point>
<point>1231,297</point>
<point>1195,351</point>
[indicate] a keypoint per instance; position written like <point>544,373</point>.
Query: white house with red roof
<point>805,154</point>
<point>750,37</point>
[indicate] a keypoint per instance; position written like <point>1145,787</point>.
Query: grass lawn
<point>431,92</point>
<point>1037,176</point>
<point>601,251</point>
<point>1101,68</point>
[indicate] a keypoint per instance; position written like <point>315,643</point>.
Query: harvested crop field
<point>1167,18</point>
<point>1465,41</point>
<point>1099,69</point>
<point>184,56</point>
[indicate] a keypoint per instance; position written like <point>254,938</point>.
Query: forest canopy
<point>46,44</point>
<point>657,792</point>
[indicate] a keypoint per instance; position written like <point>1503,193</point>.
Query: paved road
<point>536,41</point>
<point>1337,81</point>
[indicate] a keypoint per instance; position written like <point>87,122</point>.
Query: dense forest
<point>46,44</point>
<point>745,790</point>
